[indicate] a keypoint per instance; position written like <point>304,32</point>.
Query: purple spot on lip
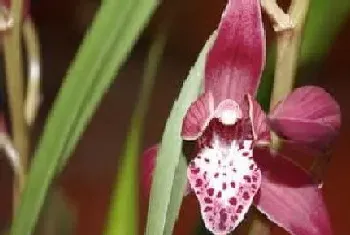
<point>223,186</point>
<point>199,183</point>
<point>223,215</point>
<point>219,194</point>
<point>247,178</point>
<point>233,184</point>
<point>208,200</point>
<point>233,201</point>
<point>210,191</point>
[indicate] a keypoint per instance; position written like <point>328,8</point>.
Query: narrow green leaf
<point>123,216</point>
<point>177,193</point>
<point>325,20</point>
<point>57,216</point>
<point>170,148</point>
<point>265,87</point>
<point>119,50</point>
<point>77,86</point>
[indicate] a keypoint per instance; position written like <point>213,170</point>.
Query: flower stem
<point>288,48</point>
<point>32,45</point>
<point>15,90</point>
<point>14,160</point>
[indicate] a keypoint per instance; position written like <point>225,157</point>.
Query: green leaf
<point>123,216</point>
<point>119,50</point>
<point>177,193</point>
<point>170,149</point>
<point>57,216</point>
<point>68,116</point>
<point>325,20</point>
<point>265,87</point>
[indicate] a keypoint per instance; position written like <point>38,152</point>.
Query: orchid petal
<point>309,115</point>
<point>197,117</point>
<point>258,119</point>
<point>199,114</point>
<point>148,163</point>
<point>289,197</point>
<point>236,60</point>
<point>225,179</point>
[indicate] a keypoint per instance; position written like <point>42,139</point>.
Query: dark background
<point>89,176</point>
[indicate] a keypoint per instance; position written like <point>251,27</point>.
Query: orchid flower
<point>229,171</point>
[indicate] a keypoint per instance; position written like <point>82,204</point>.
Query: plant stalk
<point>33,96</point>
<point>15,92</point>
<point>288,50</point>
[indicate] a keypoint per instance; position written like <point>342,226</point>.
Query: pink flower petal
<point>236,60</point>
<point>197,117</point>
<point>289,196</point>
<point>203,110</point>
<point>225,179</point>
<point>309,115</point>
<point>258,119</point>
<point>148,162</point>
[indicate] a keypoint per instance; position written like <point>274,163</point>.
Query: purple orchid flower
<point>227,124</point>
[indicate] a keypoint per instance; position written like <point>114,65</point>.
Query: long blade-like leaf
<point>177,193</point>
<point>123,216</point>
<point>321,30</point>
<point>76,87</point>
<point>119,50</point>
<point>170,148</point>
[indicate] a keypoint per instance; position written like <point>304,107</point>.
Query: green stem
<point>14,83</point>
<point>32,45</point>
<point>288,50</point>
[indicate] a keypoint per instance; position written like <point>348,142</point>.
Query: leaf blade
<point>170,148</point>
<point>122,218</point>
<point>58,128</point>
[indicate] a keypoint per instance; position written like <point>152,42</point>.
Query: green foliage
<point>177,193</point>
<point>115,29</point>
<point>123,215</point>
<point>165,194</point>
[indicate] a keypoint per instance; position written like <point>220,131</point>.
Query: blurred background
<point>87,181</point>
